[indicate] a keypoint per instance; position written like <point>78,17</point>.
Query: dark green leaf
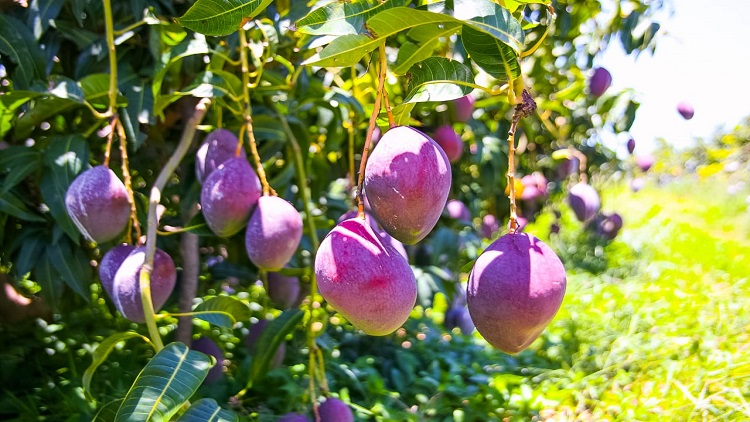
<point>19,44</point>
<point>41,12</point>
<point>43,109</point>
<point>187,47</point>
<point>343,17</point>
<point>139,111</point>
<point>223,311</point>
<point>66,157</point>
<point>66,88</point>
<point>438,79</point>
<point>73,266</point>
<point>95,90</point>
<point>495,57</point>
<point>11,204</point>
<point>220,17</point>
<point>207,410</point>
<point>18,162</point>
<point>169,379</point>
<point>102,351</point>
<point>49,280</point>
<point>28,256</point>
<point>270,340</point>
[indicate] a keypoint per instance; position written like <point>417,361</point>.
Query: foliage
<point>306,74</point>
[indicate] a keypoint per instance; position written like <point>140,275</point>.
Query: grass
<point>662,333</point>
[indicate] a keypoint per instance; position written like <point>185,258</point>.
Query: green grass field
<point>662,332</point>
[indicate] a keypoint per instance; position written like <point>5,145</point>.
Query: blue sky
<point>702,57</point>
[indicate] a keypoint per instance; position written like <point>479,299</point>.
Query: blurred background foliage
<point>638,337</point>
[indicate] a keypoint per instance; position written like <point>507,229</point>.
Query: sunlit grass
<point>669,340</point>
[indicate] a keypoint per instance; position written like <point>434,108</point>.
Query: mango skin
<point>686,110</point>
<point>450,142</point>
<point>515,289</point>
<point>584,200</point>
<point>209,347</point>
<point>335,410</point>
<point>457,210</point>
<point>219,146</point>
<point>365,278</point>
<point>284,291</point>
<point>407,181</point>
<point>458,316</point>
<point>463,108</point>
<point>98,204</point>
<point>273,233</point>
<point>600,81</point>
<point>110,263</point>
<point>126,286</point>
<point>229,196</point>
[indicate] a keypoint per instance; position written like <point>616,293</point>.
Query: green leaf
<point>66,157</point>
<point>343,17</point>
<point>9,103</point>
<point>491,19</point>
<point>139,111</point>
<point>427,38</point>
<point>45,275</point>
<point>66,89</point>
<point>28,256</point>
<point>11,204</point>
<point>212,84</point>
<point>512,5</point>
<point>95,90</point>
<point>207,410</point>
<point>438,79</point>
<point>223,311</point>
<point>495,57</point>
<point>189,46</point>
<point>401,115</point>
<point>169,379</point>
<point>18,162</point>
<point>72,265</point>
<point>19,44</point>
<point>43,109</point>
<point>108,412</point>
<point>41,12</point>
<point>101,353</point>
<point>270,340</point>
<point>220,17</point>
<point>345,50</point>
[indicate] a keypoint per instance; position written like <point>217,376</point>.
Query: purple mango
<point>98,204</point>
<point>515,289</point>
<point>407,181</point>
<point>377,302</point>
<point>273,233</point>
<point>229,196</point>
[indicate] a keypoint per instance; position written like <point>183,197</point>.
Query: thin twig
<point>368,141</point>
<point>154,198</point>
